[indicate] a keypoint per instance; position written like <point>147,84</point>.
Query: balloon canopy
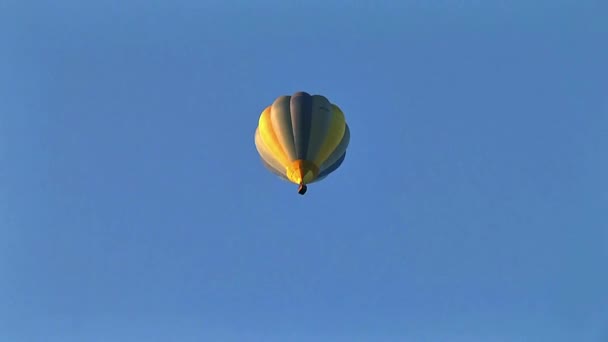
<point>302,138</point>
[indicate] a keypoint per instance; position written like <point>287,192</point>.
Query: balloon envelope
<point>302,138</point>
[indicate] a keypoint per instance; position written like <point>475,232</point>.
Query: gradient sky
<point>472,205</point>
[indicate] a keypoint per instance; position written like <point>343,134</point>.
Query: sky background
<point>472,205</point>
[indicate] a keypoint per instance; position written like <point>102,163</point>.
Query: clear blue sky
<point>472,205</point>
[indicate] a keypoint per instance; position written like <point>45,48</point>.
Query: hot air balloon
<point>302,138</point>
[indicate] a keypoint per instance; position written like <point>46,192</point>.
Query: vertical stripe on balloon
<point>269,137</point>
<point>281,123</point>
<point>301,115</point>
<point>338,151</point>
<point>320,123</point>
<point>266,154</point>
<point>333,137</point>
